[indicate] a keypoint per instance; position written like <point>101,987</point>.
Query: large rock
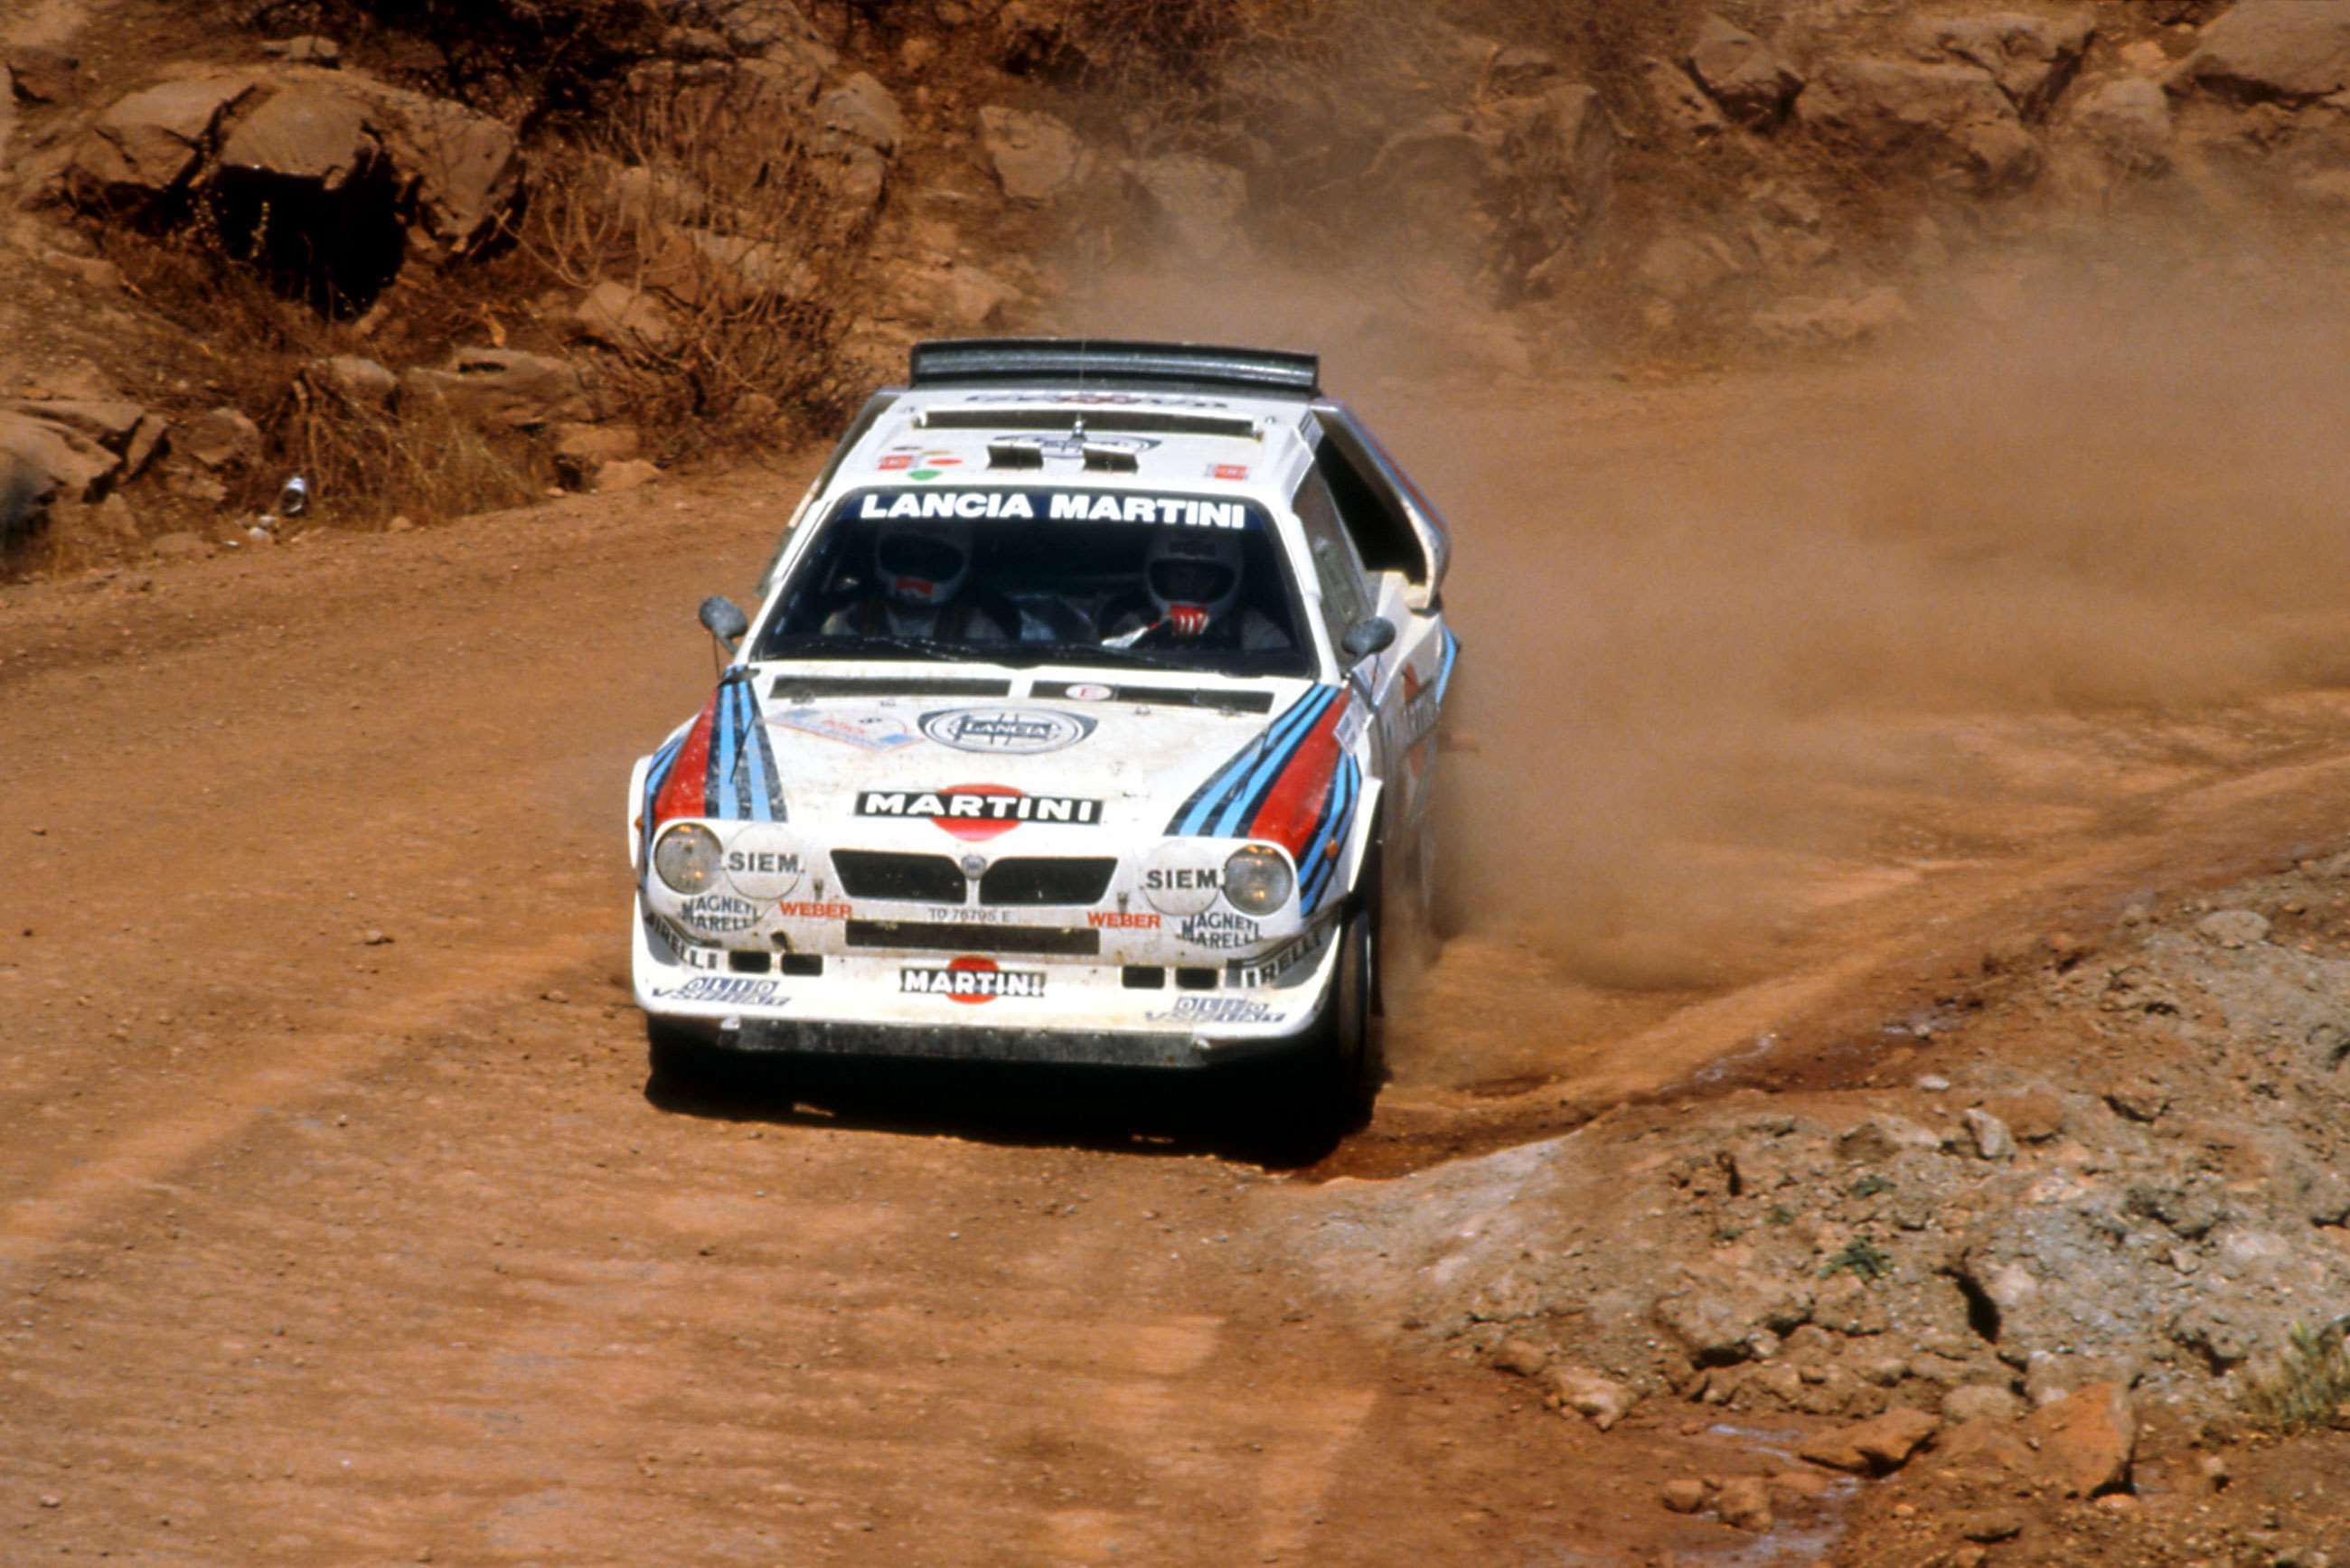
<point>2086,1438</point>
<point>2292,51</point>
<point>1198,201</point>
<point>148,143</point>
<point>1598,1399</point>
<point>507,386</point>
<point>454,172</point>
<point>862,110</point>
<point>1725,1316</point>
<point>2129,120</point>
<point>1951,117</point>
<point>1752,85</point>
<point>361,379</point>
<point>1034,157</point>
<point>224,438</point>
<point>2030,58</point>
<point>302,133</point>
<point>44,462</point>
<point>1873,1447</point>
<point>622,317</point>
<point>39,75</point>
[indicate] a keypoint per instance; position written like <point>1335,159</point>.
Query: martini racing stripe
<point>654,775</point>
<point>723,768</point>
<point>1318,867</point>
<point>1234,791</point>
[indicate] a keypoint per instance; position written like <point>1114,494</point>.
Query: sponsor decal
<point>719,912</point>
<point>1058,506</point>
<point>1228,471</point>
<point>1351,722</point>
<point>866,732</point>
<point>1005,731</point>
<point>806,910</point>
<point>973,812</point>
<point>972,979</point>
<point>1089,692</point>
<point>763,860</point>
<point>731,990</point>
<point>1119,920</point>
<point>1221,930</point>
<point>691,953</point>
<point>1183,879</point>
<point>1251,973</point>
<point>919,463</point>
<point>1218,1010</point>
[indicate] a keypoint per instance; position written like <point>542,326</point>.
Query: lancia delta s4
<point>1088,715</point>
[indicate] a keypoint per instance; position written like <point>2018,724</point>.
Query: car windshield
<point>1113,577</point>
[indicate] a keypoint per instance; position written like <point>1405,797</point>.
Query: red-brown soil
<point>339,1224</point>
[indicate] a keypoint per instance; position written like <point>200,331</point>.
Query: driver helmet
<point>923,563</point>
<point>1194,575</point>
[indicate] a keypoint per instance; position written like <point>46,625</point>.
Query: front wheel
<point>684,1057</point>
<point>1325,1088</point>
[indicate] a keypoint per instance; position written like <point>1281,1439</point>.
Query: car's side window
<point>1382,535</point>
<point>1344,599</point>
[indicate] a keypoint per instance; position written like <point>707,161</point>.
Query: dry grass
<point>2309,1383</point>
<point>364,463</point>
<point>724,234</point>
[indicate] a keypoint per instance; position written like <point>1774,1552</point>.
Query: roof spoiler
<point>1189,366</point>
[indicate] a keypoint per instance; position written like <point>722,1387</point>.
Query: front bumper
<point>859,1007</point>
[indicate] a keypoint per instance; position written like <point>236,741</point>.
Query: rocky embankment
<point>2106,1205</point>
<point>1672,178</point>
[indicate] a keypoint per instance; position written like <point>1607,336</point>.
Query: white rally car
<point>1088,715</point>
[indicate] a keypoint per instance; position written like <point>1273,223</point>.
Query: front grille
<point>880,874</point>
<point>1040,880</point>
<point>954,937</point>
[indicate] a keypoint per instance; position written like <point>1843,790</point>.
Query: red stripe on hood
<point>685,792</point>
<point>1294,802</point>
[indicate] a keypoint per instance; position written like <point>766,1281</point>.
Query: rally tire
<point>1323,1090</point>
<point>686,1058</point>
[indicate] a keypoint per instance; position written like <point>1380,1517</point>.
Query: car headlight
<point>1257,880</point>
<point>686,857</point>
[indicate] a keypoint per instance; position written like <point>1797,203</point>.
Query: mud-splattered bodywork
<point>1029,860</point>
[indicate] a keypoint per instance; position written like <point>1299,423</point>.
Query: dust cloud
<point>1731,641</point>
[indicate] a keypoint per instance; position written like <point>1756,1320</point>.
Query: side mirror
<point>1372,634</point>
<point>724,621</point>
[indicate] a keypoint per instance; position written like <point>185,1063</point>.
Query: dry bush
<point>364,465</point>
<point>2309,1383</point>
<point>723,229</point>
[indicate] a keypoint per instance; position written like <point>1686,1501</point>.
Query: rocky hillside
<point>436,258</point>
<point>2099,1227</point>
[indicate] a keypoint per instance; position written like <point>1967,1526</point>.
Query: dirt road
<point>340,1227</point>
<point>336,1223</point>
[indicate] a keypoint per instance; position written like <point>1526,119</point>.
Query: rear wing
<point>1077,363</point>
